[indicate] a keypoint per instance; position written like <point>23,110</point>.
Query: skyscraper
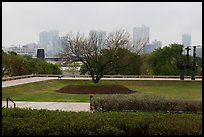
<point>186,40</point>
<point>50,41</point>
<point>140,36</point>
<point>199,51</point>
<point>151,47</point>
<point>101,35</point>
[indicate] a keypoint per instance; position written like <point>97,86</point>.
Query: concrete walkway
<point>24,81</point>
<point>64,106</point>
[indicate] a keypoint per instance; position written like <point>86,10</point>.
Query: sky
<point>23,21</point>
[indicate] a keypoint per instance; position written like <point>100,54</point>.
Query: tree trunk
<point>96,81</point>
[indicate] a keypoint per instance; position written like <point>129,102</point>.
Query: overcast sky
<point>23,21</point>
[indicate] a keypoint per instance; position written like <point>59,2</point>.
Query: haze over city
<point>23,21</point>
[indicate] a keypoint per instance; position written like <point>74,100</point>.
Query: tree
<point>16,65</point>
<point>126,63</point>
<point>139,45</point>
<point>4,64</point>
<point>89,52</point>
<point>164,61</point>
<point>42,67</point>
<point>145,66</point>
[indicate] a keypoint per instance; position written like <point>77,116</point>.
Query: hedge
<point>16,121</point>
<point>145,103</point>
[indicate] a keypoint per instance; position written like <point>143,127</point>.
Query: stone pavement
<point>64,106</point>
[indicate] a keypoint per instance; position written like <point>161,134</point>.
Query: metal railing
<point>7,99</point>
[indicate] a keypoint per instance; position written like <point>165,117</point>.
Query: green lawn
<point>45,91</point>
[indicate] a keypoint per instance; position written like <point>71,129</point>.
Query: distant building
<point>140,36</point>
<point>152,46</point>
<point>40,53</point>
<point>50,42</point>
<point>32,46</point>
<point>199,51</point>
<point>5,49</point>
<point>101,35</point>
<point>186,40</point>
<point>28,49</point>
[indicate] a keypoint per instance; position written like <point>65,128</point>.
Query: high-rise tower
<point>186,40</point>
<point>101,36</point>
<point>50,41</point>
<point>140,37</point>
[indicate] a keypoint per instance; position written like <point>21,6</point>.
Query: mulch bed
<point>112,89</point>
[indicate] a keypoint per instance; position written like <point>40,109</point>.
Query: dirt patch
<point>112,89</point>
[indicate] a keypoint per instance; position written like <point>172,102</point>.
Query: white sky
<point>23,21</point>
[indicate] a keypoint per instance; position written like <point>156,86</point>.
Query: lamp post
<point>187,65</point>
<point>187,57</point>
<point>194,63</point>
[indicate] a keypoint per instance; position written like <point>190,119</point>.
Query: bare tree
<point>139,45</point>
<point>89,52</point>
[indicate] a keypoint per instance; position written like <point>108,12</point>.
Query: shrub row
<point>146,103</point>
<point>46,122</point>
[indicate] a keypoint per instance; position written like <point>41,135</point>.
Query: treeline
<point>16,65</point>
<point>162,61</point>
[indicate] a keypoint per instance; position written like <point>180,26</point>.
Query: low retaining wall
<point>32,75</point>
<point>88,76</point>
<point>18,77</point>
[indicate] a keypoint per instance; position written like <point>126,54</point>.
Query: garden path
<point>64,106</point>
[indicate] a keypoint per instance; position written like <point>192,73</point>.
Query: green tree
<point>42,67</point>
<point>126,63</point>
<point>16,65</point>
<point>199,66</point>
<point>4,64</point>
<point>145,66</point>
<point>164,61</point>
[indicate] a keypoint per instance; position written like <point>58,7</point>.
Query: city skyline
<point>23,21</point>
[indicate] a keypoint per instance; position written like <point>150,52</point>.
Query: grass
<point>45,91</point>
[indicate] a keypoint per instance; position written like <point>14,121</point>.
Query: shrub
<point>46,122</point>
<point>146,103</point>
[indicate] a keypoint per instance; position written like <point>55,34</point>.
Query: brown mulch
<point>112,89</point>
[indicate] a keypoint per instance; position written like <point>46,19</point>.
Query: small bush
<point>149,104</point>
